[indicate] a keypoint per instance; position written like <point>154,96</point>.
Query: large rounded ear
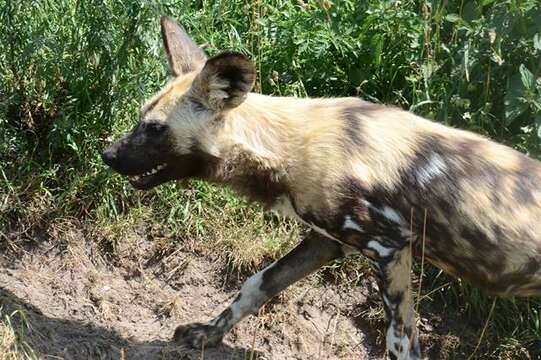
<point>225,81</point>
<point>183,53</point>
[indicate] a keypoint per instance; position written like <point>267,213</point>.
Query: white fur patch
<point>249,298</point>
<point>381,250</point>
<point>392,215</point>
<point>402,342</point>
<point>350,224</point>
<point>436,167</point>
<point>388,212</point>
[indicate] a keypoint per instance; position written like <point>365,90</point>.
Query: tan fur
<point>300,136</point>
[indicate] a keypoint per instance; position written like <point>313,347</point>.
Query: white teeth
<point>148,173</point>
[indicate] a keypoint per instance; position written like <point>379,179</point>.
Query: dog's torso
<point>376,178</point>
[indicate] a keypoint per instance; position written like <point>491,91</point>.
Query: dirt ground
<point>83,303</point>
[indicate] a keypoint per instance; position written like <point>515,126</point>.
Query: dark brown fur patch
<point>241,172</point>
<point>232,68</point>
<point>353,123</point>
<point>314,249</point>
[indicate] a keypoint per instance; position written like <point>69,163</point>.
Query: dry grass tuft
<point>12,333</point>
<point>260,240</point>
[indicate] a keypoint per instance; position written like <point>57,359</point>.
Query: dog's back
<point>482,199</point>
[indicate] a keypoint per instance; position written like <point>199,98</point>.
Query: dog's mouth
<point>150,178</point>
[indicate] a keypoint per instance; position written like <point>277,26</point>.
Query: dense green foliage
<point>74,73</point>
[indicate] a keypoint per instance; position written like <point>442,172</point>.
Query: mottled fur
<point>362,175</point>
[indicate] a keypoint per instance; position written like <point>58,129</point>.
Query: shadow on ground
<point>72,339</point>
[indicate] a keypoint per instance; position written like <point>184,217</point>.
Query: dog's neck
<point>254,146</point>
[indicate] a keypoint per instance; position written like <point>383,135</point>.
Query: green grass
<point>74,73</point>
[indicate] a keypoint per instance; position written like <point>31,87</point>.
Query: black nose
<point>108,157</point>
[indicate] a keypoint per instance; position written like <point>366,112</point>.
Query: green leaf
<point>526,77</point>
<point>453,18</point>
<point>513,109</point>
<point>377,48</point>
<point>471,11</point>
<point>356,75</point>
<point>71,143</point>
<point>537,42</point>
<point>514,106</point>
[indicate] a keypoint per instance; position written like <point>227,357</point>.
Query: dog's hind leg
<point>313,252</point>
<point>393,271</point>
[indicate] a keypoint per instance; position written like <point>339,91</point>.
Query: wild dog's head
<point>165,144</point>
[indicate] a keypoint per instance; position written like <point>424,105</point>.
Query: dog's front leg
<point>313,252</point>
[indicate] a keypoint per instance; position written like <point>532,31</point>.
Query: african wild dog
<point>360,175</point>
